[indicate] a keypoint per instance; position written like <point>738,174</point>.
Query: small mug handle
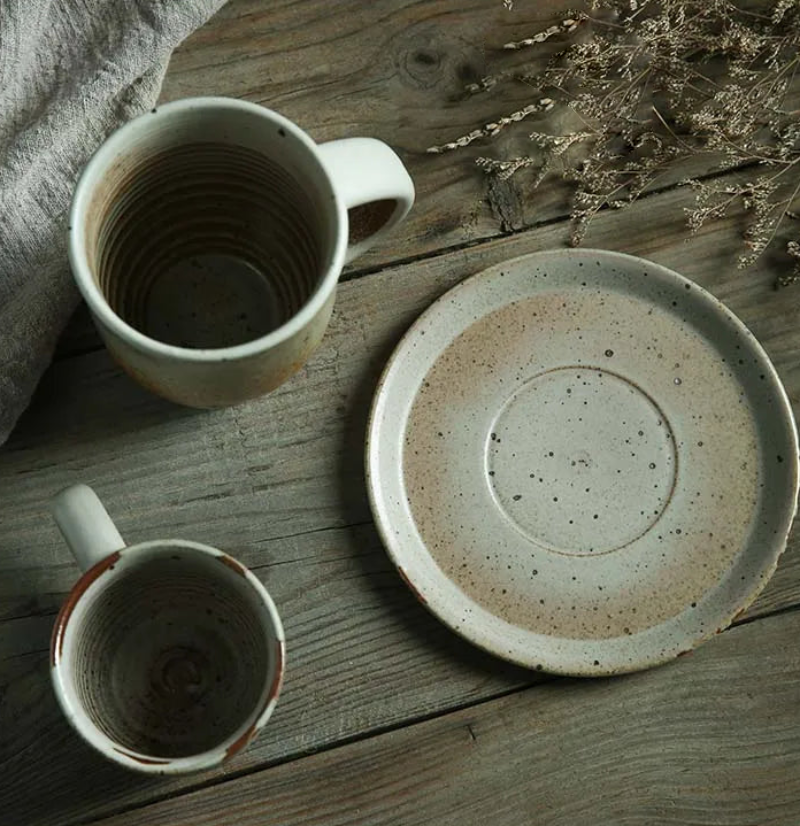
<point>86,525</point>
<point>374,185</point>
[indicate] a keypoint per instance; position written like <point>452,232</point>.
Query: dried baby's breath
<point>793,248</point>
<point>492,129</point>
<point>505,169</point>
<point>650,87</point>
<point>567,25</point>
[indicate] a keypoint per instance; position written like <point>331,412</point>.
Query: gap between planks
<point>364,330</point>
<point>715,742</point>
<point>81,328</point>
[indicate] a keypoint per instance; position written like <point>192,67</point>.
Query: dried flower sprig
<point>652,86</point>
<point>566,26</point>
<point>494,128</point>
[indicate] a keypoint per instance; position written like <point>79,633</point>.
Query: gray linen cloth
<point>70,72</point>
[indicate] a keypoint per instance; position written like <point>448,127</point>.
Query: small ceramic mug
<point>208,236</point>
<point>167,656</point>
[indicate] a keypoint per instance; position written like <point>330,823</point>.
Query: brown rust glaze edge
<point>78,590</point>
<point>233,564</point>
<point>240,742</point>
<point>411,586</point>
<point>274,690</point>
<point>145,761</point>
<point>277,682</point>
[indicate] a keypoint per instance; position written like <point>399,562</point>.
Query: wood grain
<point>394,70</point>
<point>291,463</point>
<point>279,483</point>
<point>398,70</point>
<point>362,655</point>
<point>712,740</point>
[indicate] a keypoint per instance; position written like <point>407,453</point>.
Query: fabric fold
<point>71,71</point>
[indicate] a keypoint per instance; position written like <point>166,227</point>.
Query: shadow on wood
<point>36,733</point>
<point>416,621</point>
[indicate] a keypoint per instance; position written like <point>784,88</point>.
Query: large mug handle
<point>86,525</point>
<point>373,183</point>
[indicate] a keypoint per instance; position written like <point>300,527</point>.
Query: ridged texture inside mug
<point>173,659</point>
<point>206,245</point>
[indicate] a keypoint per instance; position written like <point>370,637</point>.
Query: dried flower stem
<point>492,129</point>
<point>564,27</point>
<point>656,84</point>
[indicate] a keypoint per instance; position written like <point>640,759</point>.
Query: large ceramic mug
<point>207,238</point>
<point>167,656</point>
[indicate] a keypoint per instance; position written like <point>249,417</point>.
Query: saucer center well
<point>581,460</point>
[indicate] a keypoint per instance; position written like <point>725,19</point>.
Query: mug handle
<point>373,183</point>
<point>86,525</point>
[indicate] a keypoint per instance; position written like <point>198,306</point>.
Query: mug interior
<point>171,657</point>
<point>212,225</point>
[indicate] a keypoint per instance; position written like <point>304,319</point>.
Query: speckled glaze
<point>207,238</point>
<point>583,462</point>
<point>167,656</point>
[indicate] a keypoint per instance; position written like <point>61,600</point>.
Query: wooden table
<point>387,717</point>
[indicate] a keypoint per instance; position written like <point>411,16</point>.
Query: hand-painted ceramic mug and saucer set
<point>578,460</point>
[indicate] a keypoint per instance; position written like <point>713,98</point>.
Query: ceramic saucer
<point>582,462</point>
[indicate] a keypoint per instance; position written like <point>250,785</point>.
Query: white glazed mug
<point>208,236</point>
<point>168,656</point>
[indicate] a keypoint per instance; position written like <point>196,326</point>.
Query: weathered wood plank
<point>279,483</point>
<point>391,70</point>
<point>362,653</point>
<point>711,740</point>
<point>291,462</point>
<point>395,70</point>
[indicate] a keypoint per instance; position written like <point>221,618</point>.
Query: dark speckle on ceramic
<point>226,278</point>
<point>543,413</point>
<point>594,434</point>
<point>178,658</point>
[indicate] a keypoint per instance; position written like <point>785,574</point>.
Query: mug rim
<point>108,746</point>
<point>116,146</point>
